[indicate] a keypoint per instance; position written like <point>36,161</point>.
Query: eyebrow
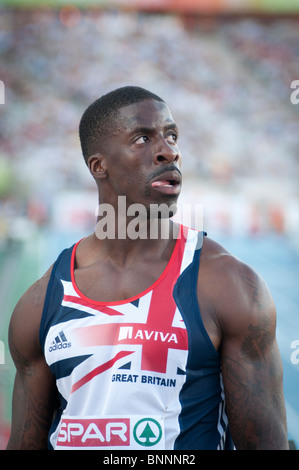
<point>151,130</point>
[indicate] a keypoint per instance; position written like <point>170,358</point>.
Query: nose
<point>166,152</point>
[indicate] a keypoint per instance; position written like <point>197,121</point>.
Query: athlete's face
<point>142,157</point>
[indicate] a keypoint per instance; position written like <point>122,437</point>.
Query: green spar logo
<point>147,432</point>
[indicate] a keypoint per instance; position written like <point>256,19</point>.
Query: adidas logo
<point>60,342</point>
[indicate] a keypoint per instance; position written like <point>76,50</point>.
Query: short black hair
<point>102,113</point>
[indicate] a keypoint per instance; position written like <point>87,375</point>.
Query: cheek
<point>128,173</point>
<point>136,182</point>
<point>130,183</point>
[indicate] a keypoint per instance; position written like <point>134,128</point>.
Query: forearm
<point>256,411</point>
<point>31,417</point>
<point>259,433</point>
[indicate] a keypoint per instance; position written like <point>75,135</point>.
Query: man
<point>162,342</point>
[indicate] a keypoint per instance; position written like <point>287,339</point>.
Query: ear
<point>97,166</point>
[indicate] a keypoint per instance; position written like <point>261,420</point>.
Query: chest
<point>104,282</point>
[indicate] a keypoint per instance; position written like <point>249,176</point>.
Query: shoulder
<point>237,293</point>
<point>25,321</point>
<point>222,268</point>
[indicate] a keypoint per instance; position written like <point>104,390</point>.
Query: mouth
<point>168,183</point>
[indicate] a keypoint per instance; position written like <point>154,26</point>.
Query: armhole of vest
<point>194,266</point>
<point>42,335</point>
<point>195,299</point>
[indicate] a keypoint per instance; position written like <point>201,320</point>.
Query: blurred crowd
<point>228,84</point>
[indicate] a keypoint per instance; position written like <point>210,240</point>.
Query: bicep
<point>252,375</point>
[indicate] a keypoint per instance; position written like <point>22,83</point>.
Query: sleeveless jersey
<point>140,373</point>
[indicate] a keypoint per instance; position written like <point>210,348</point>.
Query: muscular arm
<point>245,316</point>
<point>252,370</point>
<point>34,395</point>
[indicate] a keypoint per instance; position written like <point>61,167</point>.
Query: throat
<point>138,239</point>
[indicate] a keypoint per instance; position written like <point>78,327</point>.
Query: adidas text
<point>59,346</point>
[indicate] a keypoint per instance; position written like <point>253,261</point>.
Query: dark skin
<point>236,306</point>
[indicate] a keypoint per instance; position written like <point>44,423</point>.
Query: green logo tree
<point>147,434</point>
<point>150,434</point>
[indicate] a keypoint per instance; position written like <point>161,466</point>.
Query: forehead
<point>147,113</point>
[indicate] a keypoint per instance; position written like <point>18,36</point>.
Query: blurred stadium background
<point>225,67</point>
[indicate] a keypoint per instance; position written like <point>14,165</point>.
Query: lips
<point>168,182</point>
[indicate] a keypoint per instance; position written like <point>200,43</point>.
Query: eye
<point>172,138</point>
<point>141,140</point>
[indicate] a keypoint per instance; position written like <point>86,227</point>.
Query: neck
<point>128,237</point>
<point>124,221</point>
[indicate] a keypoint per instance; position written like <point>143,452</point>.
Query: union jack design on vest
<point>136,373</point>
